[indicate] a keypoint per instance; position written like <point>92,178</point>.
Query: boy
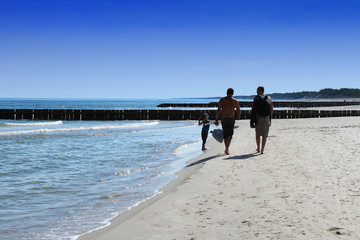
<point>205,129</point>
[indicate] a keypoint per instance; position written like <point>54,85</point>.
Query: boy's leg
<point>204,136</point>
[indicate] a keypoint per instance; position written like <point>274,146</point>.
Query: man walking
<point>226,108</point>
<point>261,111</point>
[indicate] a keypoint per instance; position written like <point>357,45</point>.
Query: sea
<point>61,179</point>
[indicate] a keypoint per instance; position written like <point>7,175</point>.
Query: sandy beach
<point>305,186</point>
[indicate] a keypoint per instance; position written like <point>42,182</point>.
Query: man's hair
<point>230,91</point>
<point>261,89</point>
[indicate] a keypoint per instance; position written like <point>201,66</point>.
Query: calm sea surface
<point>60,179</point>
<point>92,103</point>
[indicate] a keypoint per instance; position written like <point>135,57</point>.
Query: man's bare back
<point>227,106</point>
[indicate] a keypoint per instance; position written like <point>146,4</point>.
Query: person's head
<point>205,116</point>
<point>260,90</point>
<point>230,92</point>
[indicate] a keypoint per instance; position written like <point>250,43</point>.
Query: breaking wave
<point>32,124</point>
<point>100,127</point>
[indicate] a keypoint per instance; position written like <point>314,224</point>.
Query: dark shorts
<point>228,126</point>
<point>204,135</point>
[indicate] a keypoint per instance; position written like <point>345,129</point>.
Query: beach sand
<point>305,186</point>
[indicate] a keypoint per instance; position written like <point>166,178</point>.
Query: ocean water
<point>60,179</point>
<point>6,103</point>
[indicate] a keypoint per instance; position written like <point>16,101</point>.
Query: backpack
<point>262,107</point>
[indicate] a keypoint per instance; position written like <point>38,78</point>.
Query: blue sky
<point>176,48</point>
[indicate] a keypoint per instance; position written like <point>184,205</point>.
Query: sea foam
<point>99,127</point>
<point>32,124</point>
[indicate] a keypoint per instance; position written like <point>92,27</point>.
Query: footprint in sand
<point>337,230</point>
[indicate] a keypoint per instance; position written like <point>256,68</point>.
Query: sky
<point>176,48</point>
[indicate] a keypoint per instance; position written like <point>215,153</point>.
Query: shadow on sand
<point>242,157</point>
<point>203,160</point>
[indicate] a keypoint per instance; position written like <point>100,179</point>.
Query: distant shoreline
<point>323,94</point>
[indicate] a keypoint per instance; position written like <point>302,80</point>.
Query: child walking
<point>205,129</point>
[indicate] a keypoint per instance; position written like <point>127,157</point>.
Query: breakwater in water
<point>158,114</point>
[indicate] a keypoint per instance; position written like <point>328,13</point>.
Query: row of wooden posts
<point>154,114</point>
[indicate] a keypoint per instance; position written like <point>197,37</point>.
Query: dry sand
<point>305,186</point>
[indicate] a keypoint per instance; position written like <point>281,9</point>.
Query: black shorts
<point>228,126</point>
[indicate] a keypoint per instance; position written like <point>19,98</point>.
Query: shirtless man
<point>226,108</point>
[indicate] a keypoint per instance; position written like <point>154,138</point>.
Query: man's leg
<point>258,143</point>
<point>228,129</point>
<point>227,144</point>
<point>263,144</point>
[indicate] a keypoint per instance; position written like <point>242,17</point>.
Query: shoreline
<point>305,186</point>
<point>192,166</point>
<point>118,179</point>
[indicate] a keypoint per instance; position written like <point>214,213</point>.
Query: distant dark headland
<point>325,93</point>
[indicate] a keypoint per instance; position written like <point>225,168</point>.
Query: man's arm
<point>218,113</point>
<point>238,112</point>
<point>271,108</point>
